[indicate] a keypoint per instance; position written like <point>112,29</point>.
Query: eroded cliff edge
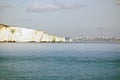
<point>18,34</point>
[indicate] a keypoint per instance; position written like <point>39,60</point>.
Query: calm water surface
<point>59,61</point>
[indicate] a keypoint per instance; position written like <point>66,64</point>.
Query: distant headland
<point>19,34</point>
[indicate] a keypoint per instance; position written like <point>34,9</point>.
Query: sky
<point>69,18</point>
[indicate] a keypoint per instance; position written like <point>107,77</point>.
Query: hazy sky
<point>64,17</point>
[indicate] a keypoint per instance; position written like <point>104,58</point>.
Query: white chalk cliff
<point>18,34</point>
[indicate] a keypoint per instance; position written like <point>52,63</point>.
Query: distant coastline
<point>12,34</point>
<point>93,39</point>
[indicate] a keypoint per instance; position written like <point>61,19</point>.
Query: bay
<point>59,61</point>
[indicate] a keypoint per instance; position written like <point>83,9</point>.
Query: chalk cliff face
<point>17,34</point>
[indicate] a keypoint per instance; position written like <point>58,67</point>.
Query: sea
<point>60,61</point>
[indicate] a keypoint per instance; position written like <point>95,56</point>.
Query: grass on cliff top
<point>2,26</point>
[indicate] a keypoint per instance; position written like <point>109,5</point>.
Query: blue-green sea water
<point>59,61</point>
